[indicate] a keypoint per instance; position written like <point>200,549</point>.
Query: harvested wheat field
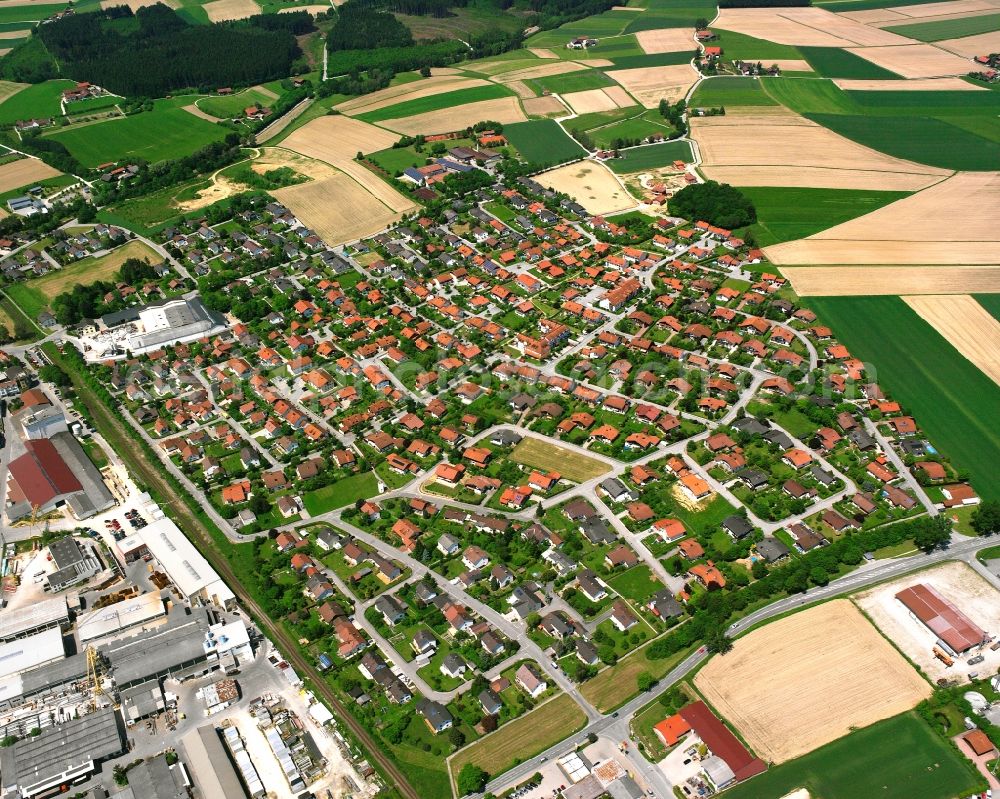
<point>914,60</point>
<point>8,89</point>
<point>335,139</point>
<point>916,85</point>
<point>809,27</point>
<point>825,671</point>
<point>971,46</point>
<point>967,326</point>
<point>965,210</point>
<point>540,71</point>
<point>408,91</point>
<point>337,208</point>
<point>135,5</point>
<point>666,40</point>
<point>314,10</point>
<point>780,148</point>
<point>588,102</point>
<point>541,52</point>
<point>791,64</point>
<point>504,110</point>
<point>651,84</point>
<point>957,583</point>
<point>862,281</point>
<point>24,171</point>
<point>948,7</point>
<point>591,184</point>
<point>875,16</point>
<point>543,107</point>
<point>195,111</point>
<point>521,89</point>
<point>222,10</point>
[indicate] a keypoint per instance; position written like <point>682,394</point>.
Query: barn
<point>954,630</point>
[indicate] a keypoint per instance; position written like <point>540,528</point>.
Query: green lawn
<point>38,100</point>
<point>616,685</point>
<point>899,758</point>
<point>833,62</point>
<point>655,59</point>
<point>716,92</point>
<point>542,141</point>
<point>953,401</point>
<point>436,102</point>
<point>571,82</point>
<point>156,135</point>
<point>344,492</point>
<point>232,105</point>
<point>747,48</point>
<point>92,105</point>
<point>637,583</point>
<point>948,28</point>
<point>786,213</point>
<point>652,156</point>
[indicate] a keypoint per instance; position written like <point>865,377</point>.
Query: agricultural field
<point>959,584</point>
<point>403,92</point>
<point>542,141</point>
<point>649,85</point>
<point>899,758</point>
<point>786,213</point>
<point>37,100</point>
<point>748,48</point>
<point>570,82</point>
<point>634,128</point>
<point>231,106</point>
<point>163,133</point>
<point>728,92</point>
<point>446,120</point>
<point>804,26</point>
<point>541,454</point>
<point>914,60</point>
<point>616,685</point>
<point>966,324</point>
<point>522,738</point>
<point>435,102</point>
<point>852,281</point>
<point>651,156</point>
<point>842,673</point>
<point>935,31</point>
<point>596,100</point>
<point>834,62</point>
<point>34,296</point>
<point>591,184</point>
<point>24,172</point>
<point>955,402</point>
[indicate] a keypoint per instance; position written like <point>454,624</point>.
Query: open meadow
<point>542,141</point>
<point>805,680</point>
<point>540,454</point>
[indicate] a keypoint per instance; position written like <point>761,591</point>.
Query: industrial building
<point>149,327</point>
<point>145,611</point>
<point>32,652</point>
<point>40,421</point>
<point>60,755</point>
<point>211,770</point>
<point>730,761</point>
<point>955,632</point>
<point>33,618</point>
<point>75,562</point>
<point>184,564</point>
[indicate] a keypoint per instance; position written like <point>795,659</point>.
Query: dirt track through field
<point>808,679</point>
<point>966,325</point>
<point>914,60</point>
<point>779,148</point>
<point>965,210</point>
<point>24,172</point>
<point>504,110</point>
<point>861,281</point>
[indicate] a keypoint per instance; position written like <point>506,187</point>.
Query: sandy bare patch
<point>780,148</point>
<point>966,325</point>
<point>220,189</point>
<point>5,50</point>
<point>958,584</point>
<point>627,8</point>
<point>543,107</point>
<point>13,34</point>
<point>971,46</point>
<point>133,4</point>
<point>314,10</point>
<point>667,40</point>
<point>337,208</point>
<point>591,184</point>
<point>23,172</point>
<point>193,109</point>
<point>275,157</point>
<point>541,52</point>
<point>504,110</point>
<point>966,213</point>
<point>949,7</point>
<point>791,64</point>
<point>8,89</point>
<point>914,60</point>
<point>809,27</point>
<point>827,670</point>
<point>915,85</point>
<point>222,10</point>
<point>855,281</point>
<point>651,84</point>
<point>407,91</point>
<point>541,71</point>
<point>521,89</point>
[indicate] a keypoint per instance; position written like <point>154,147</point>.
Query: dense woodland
<point>717,203</point>
<point>154,51</point>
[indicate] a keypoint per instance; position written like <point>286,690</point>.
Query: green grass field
<point>343,492</point>
<point>547,456</point>
<point>29,13</point>
<point>38,100</point>
<point>948,28</point>
<point>654,59</point>
<point>785,213</point>
<point>717,92</point>
<point>155,135</point>
<point>638,583</point>
<point>616,685</point>
<point>92,105</point>
<point>747,48</point>
<point>899,758</point>
<point>571,82</point>
<point>652,156</point>
<point>422,105</point>
<point>953,401</point>
<point>638,127</point>
<point>991,302</point>
<point>542,141</point>
<point>232,105</point>
<point>833,62</point>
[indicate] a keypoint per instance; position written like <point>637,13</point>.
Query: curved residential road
<point>615,727</point>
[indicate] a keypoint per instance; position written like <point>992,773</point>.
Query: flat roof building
<point>952,627</point>
<point>60,754</point>
<point>211,768</point>
<point>184,564</point>
<point>33,618</point>
<point>145,611</point>
<point>32,652</point>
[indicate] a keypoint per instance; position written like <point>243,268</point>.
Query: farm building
<point>954,630</point>
<point>731,761</point>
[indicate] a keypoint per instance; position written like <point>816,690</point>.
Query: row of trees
<point>87,301</point>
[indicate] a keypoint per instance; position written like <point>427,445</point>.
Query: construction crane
<point>93,662</point>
